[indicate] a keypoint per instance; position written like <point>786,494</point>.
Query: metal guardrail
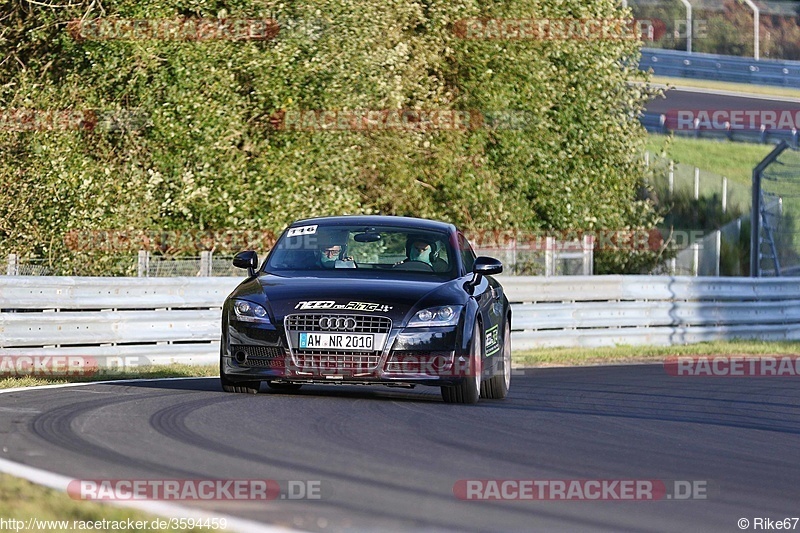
<point>720,67</point>
<point>659,123</point>
<point>178,319</point>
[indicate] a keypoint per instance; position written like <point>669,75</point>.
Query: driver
<point>423,250</point>
<point>329,254</point>
<point>420,251</point>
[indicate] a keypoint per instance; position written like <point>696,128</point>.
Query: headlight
<point>249,312</point>
<point>446,315</point>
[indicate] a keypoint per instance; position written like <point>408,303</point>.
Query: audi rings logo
<point>337,323</point>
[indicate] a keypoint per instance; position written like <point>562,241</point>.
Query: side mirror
<point>483,266</point>
<point>487,266</point>
<point>247,259</point>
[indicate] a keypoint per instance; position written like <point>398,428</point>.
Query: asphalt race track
<point>678,99</point>
<point>388,459</point>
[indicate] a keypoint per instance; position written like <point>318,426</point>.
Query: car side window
<point>467,255</point>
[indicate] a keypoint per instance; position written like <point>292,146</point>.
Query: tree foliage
<point>193,145</point>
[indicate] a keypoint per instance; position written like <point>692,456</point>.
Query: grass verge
<point>145,372</point>
<point>648,354</point>
<point>735,160</point>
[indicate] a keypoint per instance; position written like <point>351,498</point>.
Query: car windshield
<point>383,251</point>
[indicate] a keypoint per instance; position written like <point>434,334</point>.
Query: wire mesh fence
<point>705,214</point>
<point>779,231</point>
<point>547,258</point>
<point>141,265</point>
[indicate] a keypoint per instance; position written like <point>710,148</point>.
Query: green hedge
<point>201,151</point>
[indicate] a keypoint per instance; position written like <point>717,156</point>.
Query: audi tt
<point>375,300</point>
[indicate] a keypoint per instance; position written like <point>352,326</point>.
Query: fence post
<point>718,250</point>
<point>144,264</point>
<point>671,177</point>
<point>588,255</point>
<point>549,252</point>
<point>724,194</point>
<point>695,258</point>
<point>205,263</point>
<point>13,265</point>
<point>696,183</point>
<point>514,253</point>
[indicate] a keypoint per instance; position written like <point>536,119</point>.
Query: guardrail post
<point>144,264</point>
<point>205,263</point>
<point>549,259</point>
<point>13,265</point>
<point>695,258</point>
<point>696,183</point>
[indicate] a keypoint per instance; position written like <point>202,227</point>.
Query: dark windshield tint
<point>378,249</point>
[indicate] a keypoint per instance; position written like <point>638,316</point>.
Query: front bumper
<point>429,356</point>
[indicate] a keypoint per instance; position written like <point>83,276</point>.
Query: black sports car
<point>369,300</point>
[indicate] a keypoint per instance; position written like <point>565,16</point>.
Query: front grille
<point>308,360</point>
<point>269,363</point>
<point>316,360</point>
<point>363,323</point>
<point>259,351</point>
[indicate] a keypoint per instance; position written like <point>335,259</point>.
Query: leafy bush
<point>202,151</point>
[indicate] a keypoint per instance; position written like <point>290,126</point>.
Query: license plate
<point>336,341</point>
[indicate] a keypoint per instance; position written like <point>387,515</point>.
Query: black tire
<point>242,387</point>
<point>496,387</point>
<point>468,391</point>
<point>283,386</point>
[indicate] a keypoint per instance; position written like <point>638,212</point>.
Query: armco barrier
<point>720,67</point>
<point>178,319</point>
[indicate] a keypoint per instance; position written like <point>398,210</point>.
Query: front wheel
<point>468,391</point>
<point>496,387</point>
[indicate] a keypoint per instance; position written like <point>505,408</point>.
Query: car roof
<point>383,220</point>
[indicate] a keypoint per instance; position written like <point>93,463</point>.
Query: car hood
<point>392,298</point>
